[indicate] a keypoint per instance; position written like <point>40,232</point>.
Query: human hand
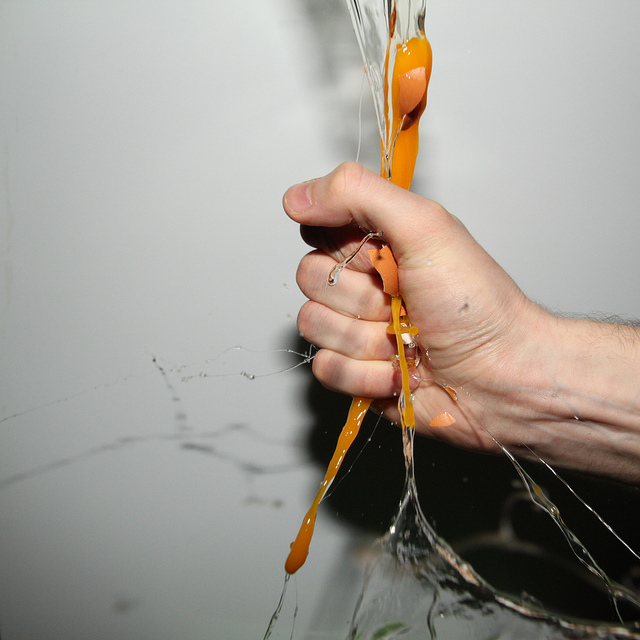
<point>478,333</point>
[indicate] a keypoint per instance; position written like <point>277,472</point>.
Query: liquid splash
<point>417,587</point>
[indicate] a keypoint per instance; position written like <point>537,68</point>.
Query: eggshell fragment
<point>385,264</point>
<point>411,89</point>
<point>443,419</point>
<point>452,392</point>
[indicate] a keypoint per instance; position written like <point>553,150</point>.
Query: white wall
<point>145,148</point>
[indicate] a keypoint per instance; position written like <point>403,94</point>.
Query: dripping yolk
<point>300,547</point>
<point>409,82</point>
<point>407,418</point>
<point>406,329</point>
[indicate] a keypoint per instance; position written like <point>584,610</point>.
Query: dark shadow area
<point>466,496</point>
<point>339,78</point>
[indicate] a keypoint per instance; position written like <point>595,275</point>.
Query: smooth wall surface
<point>153,449</point>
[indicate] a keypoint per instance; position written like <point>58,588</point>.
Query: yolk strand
<point>406,405</point>
<point>300,547</point>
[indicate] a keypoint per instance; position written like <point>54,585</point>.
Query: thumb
<point>352,193</point>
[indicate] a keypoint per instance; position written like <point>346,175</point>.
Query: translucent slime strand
<point>278,611</point>
<point>332,280</point>
<point>538,497</point>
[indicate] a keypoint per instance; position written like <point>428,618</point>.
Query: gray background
<point>147,488</point>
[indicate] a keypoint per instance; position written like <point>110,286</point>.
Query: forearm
<point>582,396</point>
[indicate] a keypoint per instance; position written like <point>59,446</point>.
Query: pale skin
<point>567,390</point>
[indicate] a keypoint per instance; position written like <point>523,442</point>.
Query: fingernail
<point>414,379</point>
<point>298,197</point>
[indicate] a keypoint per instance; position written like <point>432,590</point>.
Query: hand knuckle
<point>346,179</point>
